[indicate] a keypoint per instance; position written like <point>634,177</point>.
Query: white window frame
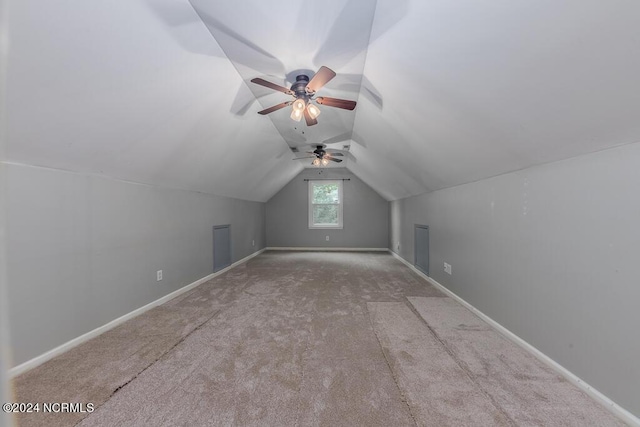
<point>340,204</point>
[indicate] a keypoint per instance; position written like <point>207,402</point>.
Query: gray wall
<point>365,215</point>
<point>84,250</point>
<point>4,306</point>
<point>553,254</point>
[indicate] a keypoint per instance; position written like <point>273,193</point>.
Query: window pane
<point>325,214</point>
<point>325,193</point>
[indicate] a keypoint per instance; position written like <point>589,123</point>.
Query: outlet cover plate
<point>447,268</point>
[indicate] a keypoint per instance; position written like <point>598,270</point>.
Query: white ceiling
<point>158,91</point>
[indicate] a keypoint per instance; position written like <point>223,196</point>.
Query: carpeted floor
<point>300,338</point>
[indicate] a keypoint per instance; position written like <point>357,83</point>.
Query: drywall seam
<point>320,249</point>
<point>38,360</point>
<point>613,407</point>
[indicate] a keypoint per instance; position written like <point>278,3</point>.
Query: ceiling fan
<point>321,156</point>
<point>303,92</point>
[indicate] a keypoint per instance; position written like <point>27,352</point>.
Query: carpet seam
<point>386,359</point>
<point>302,366</point>
<point>462,366</point>
<point>151,364</point>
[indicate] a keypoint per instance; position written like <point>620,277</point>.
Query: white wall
<point>84,249</point>
<point>365,214</point>
<point>553,254</point>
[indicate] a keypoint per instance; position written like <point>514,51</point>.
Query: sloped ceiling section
<point>115,88</point>
<point>158,91</point>
<point>475,89</point>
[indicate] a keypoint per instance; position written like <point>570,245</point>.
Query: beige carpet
<point>298,338</point>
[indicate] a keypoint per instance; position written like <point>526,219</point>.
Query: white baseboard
<point>39,360</point>
<point>320,249</point>
<point>613,407</point>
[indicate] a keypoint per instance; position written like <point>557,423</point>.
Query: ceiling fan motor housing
<point>319,151</point>
<point>300,87</point>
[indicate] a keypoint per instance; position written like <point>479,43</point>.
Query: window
<point>325,204</point>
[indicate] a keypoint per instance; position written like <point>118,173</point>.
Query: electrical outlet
<point>398,246</point>
<point>253,243</point>
<point>158,275</point>
<point>447,268</point>
<point>327,238</point>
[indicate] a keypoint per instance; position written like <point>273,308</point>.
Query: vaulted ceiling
<point>159,92</point>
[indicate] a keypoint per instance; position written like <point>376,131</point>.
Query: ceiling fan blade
<point>302,158</point>
<point>265,83</point>
<point>333,153</point>
<point>334,160</point>
<point>310,120</point>
<point>274,108</point>
<point>336,102</point>
<point>321,78</point>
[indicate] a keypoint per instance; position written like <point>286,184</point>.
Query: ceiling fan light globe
<point>313,110</point>
<point>299,105</point>
<point>325,162</point>
<point>296,115</point>
<point>316,162</point>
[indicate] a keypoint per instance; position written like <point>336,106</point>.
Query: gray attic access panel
<point>221,247</point>
<point>421,246</point>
